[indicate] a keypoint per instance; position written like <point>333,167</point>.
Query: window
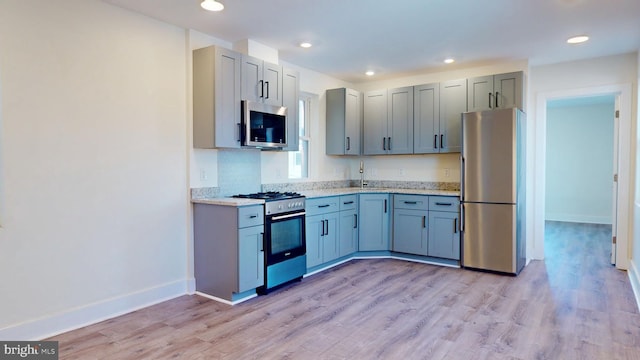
<point>299,160</point>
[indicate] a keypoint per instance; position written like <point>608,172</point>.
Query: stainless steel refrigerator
<point>493,190</point>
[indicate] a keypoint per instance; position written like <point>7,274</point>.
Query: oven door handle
<point>288,216</point>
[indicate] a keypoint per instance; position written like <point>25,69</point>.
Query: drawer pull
<point>411,202</point>
<point>443,204</point>
<point>253,216</point>
<point>324,206</point>
<point>348,202</point>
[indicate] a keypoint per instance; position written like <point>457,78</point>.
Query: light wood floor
<point>574,305</point>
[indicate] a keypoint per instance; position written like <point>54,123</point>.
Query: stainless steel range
<point>284,237</point>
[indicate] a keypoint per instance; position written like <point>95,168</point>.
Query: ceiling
<point>403,37</point>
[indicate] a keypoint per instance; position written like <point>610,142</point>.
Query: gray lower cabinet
<point>444,235</point>
<point>322,230</point>
<point>228,249</point>
<point>444,227</point>
<point>426,225</point>
<point>348,236</point>
<point>374,222</point>
<point>410,224</point>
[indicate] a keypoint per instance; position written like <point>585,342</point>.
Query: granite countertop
<point>310,194</point>
<point>227,201</point>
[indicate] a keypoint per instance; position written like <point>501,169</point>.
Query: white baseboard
<point>54,324</point>
<point>634,278</point>
<point>191,286</point>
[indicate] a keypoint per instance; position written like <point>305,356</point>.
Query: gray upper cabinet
<point>290,99</point>
<point>216,98</point>
<point>496,91</point>
<point>375,122</point>
<point>388,121</point>
<point>261,81</point>
<point>400,120</point>
<point>426,112</point>
<point>453,102</point>
<point>344,122</point>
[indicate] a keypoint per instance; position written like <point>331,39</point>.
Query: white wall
<point>634,263</point>
<point>579,160</point>
<point>94,146</point>
<point>617,72</point>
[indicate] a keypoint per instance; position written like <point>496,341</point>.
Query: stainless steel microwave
<point>264,126</point>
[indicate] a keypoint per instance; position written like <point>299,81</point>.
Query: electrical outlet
<point>203,175</point>
<point>447,173</point>
<point>402,172</point>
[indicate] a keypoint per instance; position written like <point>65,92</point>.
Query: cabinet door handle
<point>490,102</point>
<point>261,88</point>
<point>355,221</point>
<point>443,204</point>
<point>411,202</point>
<point>497,96</point>
<point>262,242</point>
<point>239,132</point>
<point>424,221</point>
<point>384,143</point>
<point>389,143</point>
<point>267,84</point>
<point>327,222</point>
<point>324,206</point>
<point>441,141</point>
<point>322,232</point>
<point>455,226</point>
<point>348,143</point>
<point>435,141</point>
<point>385,206</point>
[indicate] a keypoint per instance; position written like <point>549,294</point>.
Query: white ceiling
<point>400,37</point>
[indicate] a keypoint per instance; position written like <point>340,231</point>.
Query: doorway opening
<point>621,227</point>
<point>581,164</point>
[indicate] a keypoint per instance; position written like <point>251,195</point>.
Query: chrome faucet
<point>362,182</point>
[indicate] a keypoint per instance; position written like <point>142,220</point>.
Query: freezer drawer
<point>489,237</point>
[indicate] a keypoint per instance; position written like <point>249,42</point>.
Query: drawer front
<point>322,205</point>
<point>444,203</point>
<point>250,216</point>
<point>417,202</point>
<point>348,202</point>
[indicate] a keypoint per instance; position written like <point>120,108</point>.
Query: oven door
<point>284,237</point>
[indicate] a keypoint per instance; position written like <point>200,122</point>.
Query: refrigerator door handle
<point>461,217</point>
<point>461,178</point>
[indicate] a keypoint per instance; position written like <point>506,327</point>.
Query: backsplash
<point>320,185</point>
<point>238,171</point>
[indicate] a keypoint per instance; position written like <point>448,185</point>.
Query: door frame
<point>625,166</point>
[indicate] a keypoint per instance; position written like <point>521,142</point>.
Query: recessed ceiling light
<point>449,61</point>
<point>212,5</point>
<point>370,73</point>
<point>577,39</point>
<point>305,44</point>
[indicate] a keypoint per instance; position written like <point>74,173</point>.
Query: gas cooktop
<point>270,195</point>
